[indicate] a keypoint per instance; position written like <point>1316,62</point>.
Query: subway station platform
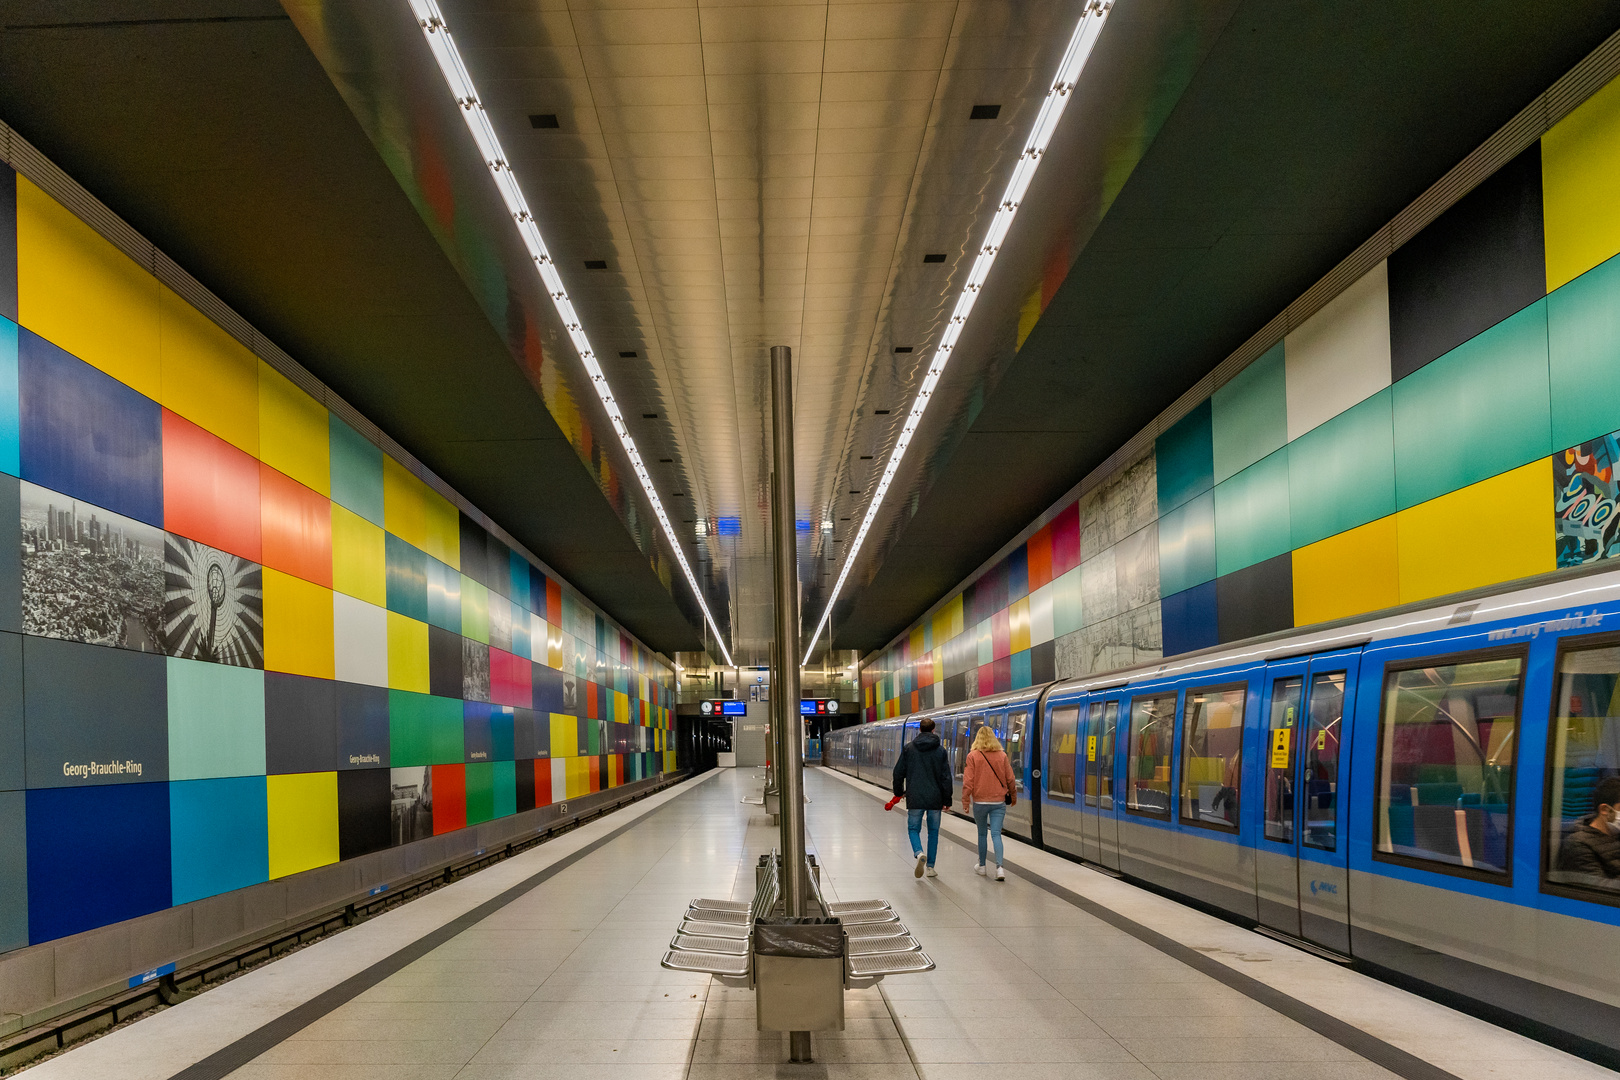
<point>546,966</point>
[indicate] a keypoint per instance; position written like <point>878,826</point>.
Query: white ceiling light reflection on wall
<point>431,20</point>
<point>1057,99</point>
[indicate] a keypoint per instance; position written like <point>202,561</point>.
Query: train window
<point>1445,763</point>
<point>966,728</point>
<point>1212,756</point>
<point>1017,722</point>
<point>1147,780</point>
<point>1060,752</point>
<point>1281,735</point>
<point>1321,780</point>
<point>1100,756</point>
<point>1583,791</point>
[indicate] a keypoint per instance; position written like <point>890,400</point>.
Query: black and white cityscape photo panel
<point>89,574</point>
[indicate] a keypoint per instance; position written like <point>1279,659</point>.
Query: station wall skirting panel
<point>240,643</point>
<point>1450,420</point>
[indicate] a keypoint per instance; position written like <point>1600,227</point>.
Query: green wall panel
<point>1187,545</point>
<point>1249,415</point>
<point>505,774</point>
<point>356,472</point>
<point>1184,462</point>
<point>480,791</point>
<point>1481,409</point>
<point>424,730</point>
<point>1341,474</point>
<point>1251,515</point>
<point>1583,354</point>
<point>1066,610</point>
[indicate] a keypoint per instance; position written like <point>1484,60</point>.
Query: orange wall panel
<point>296,526</point>
<point>210,489</point>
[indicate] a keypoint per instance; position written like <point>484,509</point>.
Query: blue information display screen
<point>818,707</point>
<point>723,708</point>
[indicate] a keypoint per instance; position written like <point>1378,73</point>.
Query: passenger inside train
<point>1590,853</point>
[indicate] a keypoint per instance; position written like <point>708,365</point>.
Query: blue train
<point>1415,792</point>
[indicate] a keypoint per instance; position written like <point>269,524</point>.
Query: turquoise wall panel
<point>357,482</point>
<point>1480,410</point>
<point>407,578</point>
<point>443,596</point>
<point>8,399</point>
<point>1341,474</point>
<point>1249,415</point>
<point>1184,459</point>
<point>216,720</point>
<point>1187,545</point>
<point>218,836</point>
<point>1583,354</point>
<point>1251,515</point>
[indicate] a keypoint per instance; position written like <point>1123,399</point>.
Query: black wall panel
<point>525,785</point>
<point>473,561</point>
<point>1043,662</point>
<point>955,688</point>
<point>88,703</point>
<point>1258,599</point>
<point>530,733</point>
<point>8,243</point>
<point>548,690</point>
<point>300,724</point>
<point>444,662</point>
<point>1470,268</point>
<point>364,798</point>
<point>362,724</point>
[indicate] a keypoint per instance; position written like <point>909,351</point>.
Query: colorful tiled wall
<point>237,639</point>
<point>1450,421</point>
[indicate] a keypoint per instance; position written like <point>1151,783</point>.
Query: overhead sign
<point>818,707</point>
<point>723,708</point>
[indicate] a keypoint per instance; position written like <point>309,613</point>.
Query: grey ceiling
<point>760,175</point>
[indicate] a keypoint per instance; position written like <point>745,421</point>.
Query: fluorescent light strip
<point>431,20</point>
<point>1057,99</point>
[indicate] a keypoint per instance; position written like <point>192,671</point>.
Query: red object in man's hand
<point>890,804</point>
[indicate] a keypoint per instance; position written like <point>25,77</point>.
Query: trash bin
<point>799,974</point>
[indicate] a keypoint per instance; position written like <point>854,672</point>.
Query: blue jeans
<point>988,817</point>
<point>914,827</point>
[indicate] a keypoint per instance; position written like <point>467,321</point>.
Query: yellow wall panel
<point>297,626</point>
<point>443,529</point>
<point>1580,187</point>
<point>1496,530</point>
<point>1354,572</point>
<point>404,504</point>
<point>407,653</point>
<point>209,377</point>
<point>564,736</point>
<point>294,431</point>
<point>359,560</point>
<point>579,777</point>
<point>78,291</point>
<point>1018,623</point>
<point>303,813</point>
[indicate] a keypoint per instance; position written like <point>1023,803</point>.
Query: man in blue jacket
<point>923,776</point>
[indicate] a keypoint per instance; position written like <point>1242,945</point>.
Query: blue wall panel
<point>86,434</point>
<point>96,855</point>
<point>218,835</point>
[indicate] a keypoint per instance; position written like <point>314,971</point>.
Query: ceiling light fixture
<point>1057,99</point>
<point>445,53</point>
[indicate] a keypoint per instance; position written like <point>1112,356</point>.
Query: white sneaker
<point>1001,875</point>
<point>979,869</point>
<point>932,872</point>
<point>922,863</point>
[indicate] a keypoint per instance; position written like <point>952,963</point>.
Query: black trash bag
<point>810,937</point>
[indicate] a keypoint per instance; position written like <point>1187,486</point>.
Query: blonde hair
<point>986,741</point>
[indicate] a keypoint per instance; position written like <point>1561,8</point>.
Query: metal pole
<point>785,693</point>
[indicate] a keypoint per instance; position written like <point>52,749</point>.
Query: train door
<point>1015,737</point>
<point>1301,875</point>
<point>1100,839</point>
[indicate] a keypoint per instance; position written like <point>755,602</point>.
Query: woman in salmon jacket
<point>989,788</point>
